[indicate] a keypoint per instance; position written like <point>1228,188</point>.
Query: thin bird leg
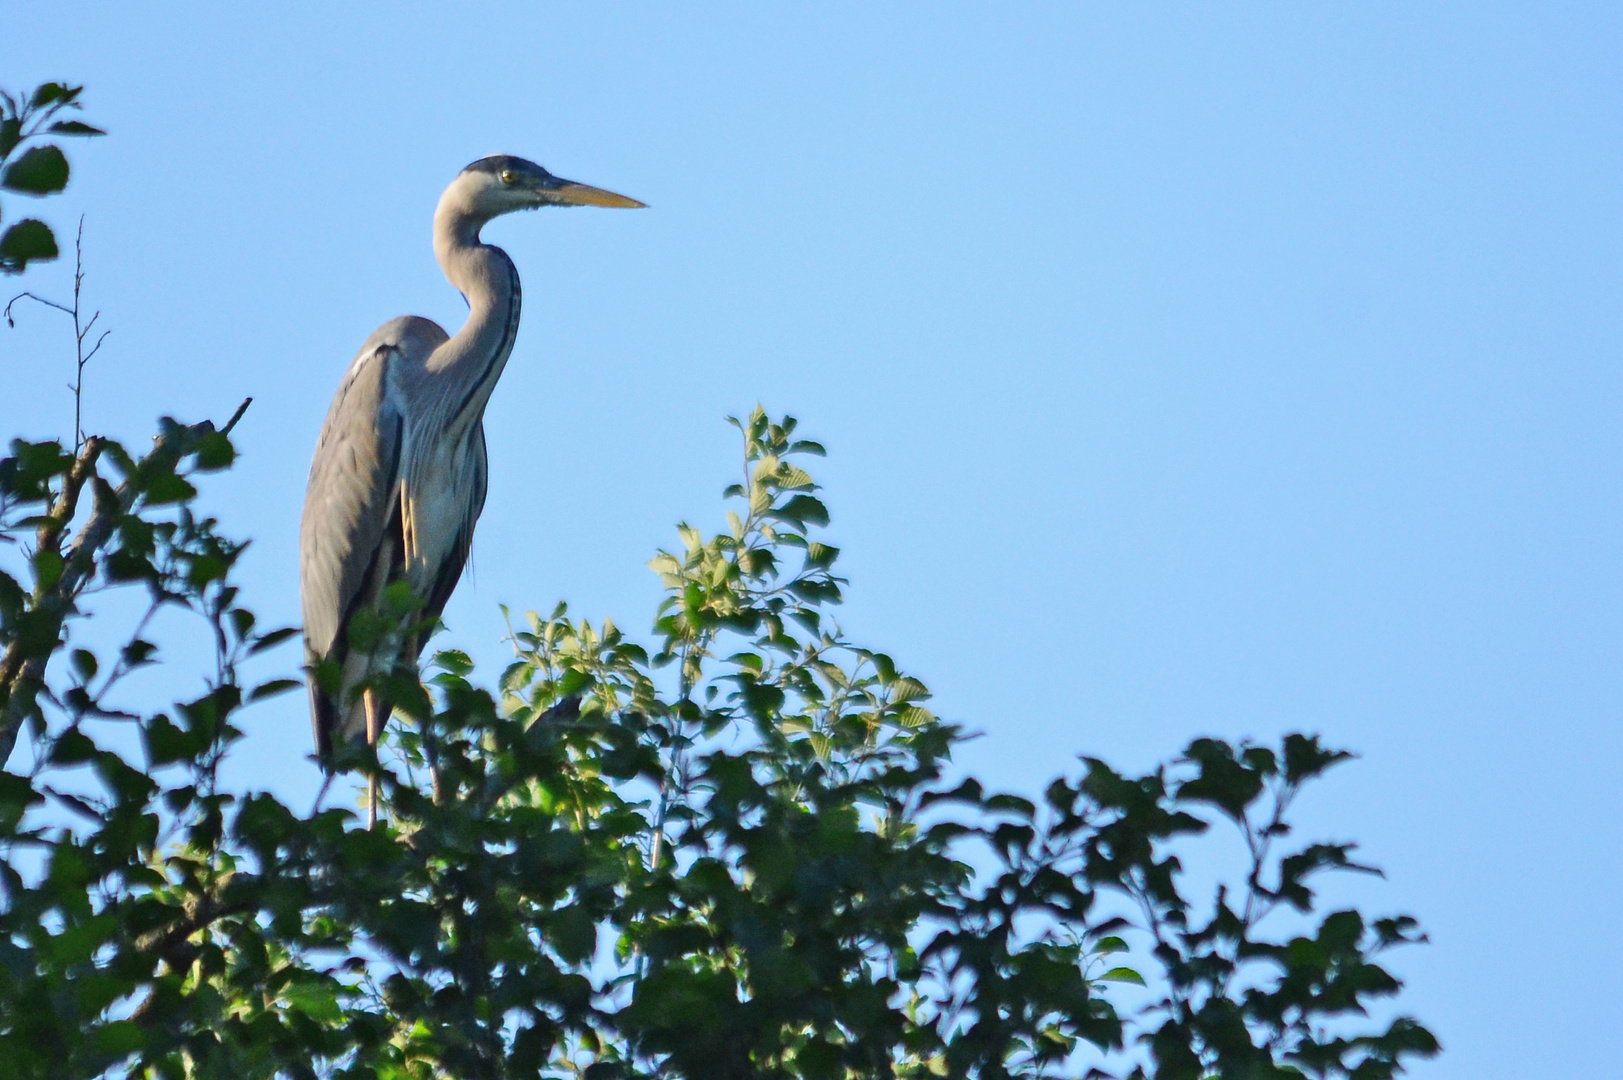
<point>431,746</point>
<point>372,727</point>
<point>322,794</point>
<point>431,750</point>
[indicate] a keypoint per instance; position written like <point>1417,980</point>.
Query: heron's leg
<point>431,745</point>
<point>431,751</point>
<point>372,730</point>
<point>322,794</point>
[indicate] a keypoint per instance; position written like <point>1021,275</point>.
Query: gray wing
<point>351,497</point>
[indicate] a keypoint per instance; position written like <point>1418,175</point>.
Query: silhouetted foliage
<point>31,165</point>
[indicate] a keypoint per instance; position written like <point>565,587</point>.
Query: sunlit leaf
<point>1122,975</point>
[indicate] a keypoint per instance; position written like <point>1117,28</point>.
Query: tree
<point>744,854</point>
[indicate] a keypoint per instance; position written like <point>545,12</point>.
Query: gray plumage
<point>399,475</point>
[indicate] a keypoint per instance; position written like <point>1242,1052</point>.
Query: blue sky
<point>1184,371</point>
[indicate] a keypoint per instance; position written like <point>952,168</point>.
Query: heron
<point>399,475</point>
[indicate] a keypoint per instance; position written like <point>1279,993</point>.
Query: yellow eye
<point>509,176</point>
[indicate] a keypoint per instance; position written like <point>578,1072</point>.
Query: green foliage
<point>744,853</point>
<point>31,167</point>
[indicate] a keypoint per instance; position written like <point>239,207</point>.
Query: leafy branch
<point>40,168</point>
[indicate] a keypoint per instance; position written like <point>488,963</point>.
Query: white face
<point>516,184</point>
<point>493,193</point>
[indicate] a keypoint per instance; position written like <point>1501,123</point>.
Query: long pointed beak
<point>572,194</point>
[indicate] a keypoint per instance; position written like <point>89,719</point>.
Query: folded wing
<point>349,536</point>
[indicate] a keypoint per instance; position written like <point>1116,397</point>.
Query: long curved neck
<point>473,359</point>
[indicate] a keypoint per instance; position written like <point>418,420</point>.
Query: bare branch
<point>94,349</point>
<point>81,331</point>
<point>231,423</point>
<point>11,322</point>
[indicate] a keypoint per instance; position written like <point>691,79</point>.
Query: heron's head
<point>502,183</point>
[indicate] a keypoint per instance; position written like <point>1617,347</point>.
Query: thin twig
<point>11,322</point>
<point>123,667</point>
<point>81,331</point>
<point>231,423</point>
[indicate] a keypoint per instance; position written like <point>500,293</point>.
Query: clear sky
<point>1184,371</point>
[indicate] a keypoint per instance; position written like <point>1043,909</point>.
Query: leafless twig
<point>81,332</point>
<point>231,423</point>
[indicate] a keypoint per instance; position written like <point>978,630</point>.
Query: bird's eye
<point>509,176</point>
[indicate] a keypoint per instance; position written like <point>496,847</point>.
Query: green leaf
<point>84,664</point>
<point>11,133</point>
<point>273,688</point>
<point>74,127</point>
<point>76,944</point>
<point>272,639</point>
<point>573,933</point>
<point>46,93</point>
<point>120,1037</point>
<point>16,795</point>
<point>214,451</point>
<point>399,600</point>
<point>1122,975</point>
<point>167,744</point>
<point>48,567</point>
<point>454,661</point>
<point>908,689</point>
<point>167,488</point>
<point>915,716</point>
<point>138,653</point>
<point>30,240</point>
<point>1306,758</point>
<point>316,1000</point>
<point>73,747</point>
<point>41,170</point>
<point>804,508</point>
<point>820,556</point>
<point>573,681</point>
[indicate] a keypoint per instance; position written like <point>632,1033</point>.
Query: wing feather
<point>354,478</point>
